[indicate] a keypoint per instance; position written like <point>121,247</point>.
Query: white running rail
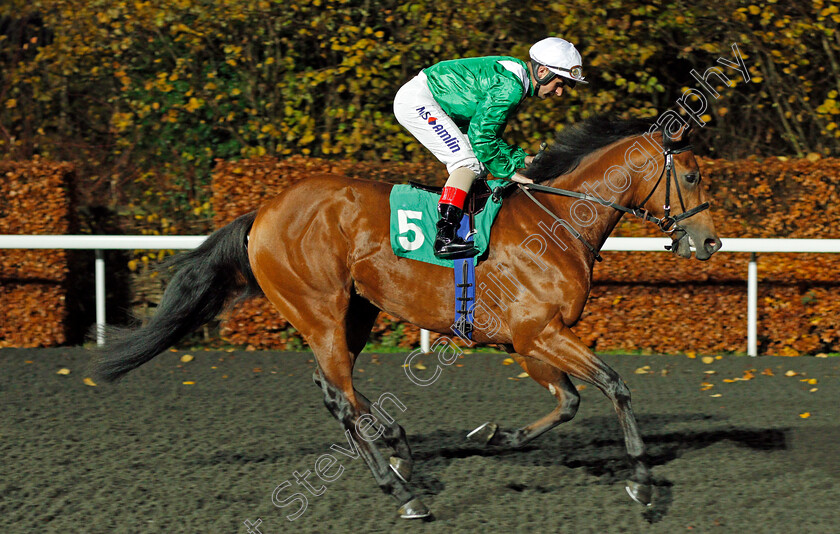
<point>100,243</point>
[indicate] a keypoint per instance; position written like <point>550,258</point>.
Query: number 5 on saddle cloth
<point>413,218</point>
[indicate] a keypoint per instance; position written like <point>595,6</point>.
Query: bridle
<point>667,223</point>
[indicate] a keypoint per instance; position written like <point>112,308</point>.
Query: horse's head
<point>678,199</point>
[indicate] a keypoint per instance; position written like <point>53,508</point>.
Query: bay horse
<point>322,256</point>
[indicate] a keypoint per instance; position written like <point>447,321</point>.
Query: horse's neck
<point>590,177</point>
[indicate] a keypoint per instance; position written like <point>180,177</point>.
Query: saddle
<point>476,198</point>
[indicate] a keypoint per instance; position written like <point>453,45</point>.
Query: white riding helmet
<point>560,57</point>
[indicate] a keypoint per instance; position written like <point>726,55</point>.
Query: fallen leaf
<point>256,370</point>
<point>749,375</point>
<point>664,372</point>
<point>522,375</point>
<point>812,381</point>
<point>728,380</point>
<point>28,361</point>
<point>704,386</point>
<point>642,370</point>
<point>88,381</point>
<point>708,359</point>
<point>691,354</point>
<point>767,372</point>
<point>419,366</point>
<point>716,395</point>
<point>581,387</point>
<point>507,361</point>
<point>821,355</point>
<point>791,373</point>
<point>187,358</point>
<point>812,390</point>
<point>710,372</point>
<point>805,415</point>
<point>63,371</point>
<point>188,383</point>
<point>718,357</point>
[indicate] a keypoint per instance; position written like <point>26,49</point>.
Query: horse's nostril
<point>711,245</point>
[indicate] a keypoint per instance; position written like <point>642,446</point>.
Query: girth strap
<point>464,278</point>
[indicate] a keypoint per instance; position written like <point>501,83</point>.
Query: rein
<point>668,223</point>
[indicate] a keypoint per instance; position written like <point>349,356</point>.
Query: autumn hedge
<point>34,199</point>
<point>144,96</point>
<point>647,301</point>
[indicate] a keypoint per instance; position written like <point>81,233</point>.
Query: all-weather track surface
<point>157,454</point>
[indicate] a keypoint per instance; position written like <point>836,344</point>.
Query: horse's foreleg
<point>558,346</point>
<point>557,382</point>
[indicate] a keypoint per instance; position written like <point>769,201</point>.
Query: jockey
<point>458,110</point>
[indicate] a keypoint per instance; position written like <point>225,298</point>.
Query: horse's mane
<point>573,143</point>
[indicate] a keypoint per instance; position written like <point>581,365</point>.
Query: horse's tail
<point>205,281</point>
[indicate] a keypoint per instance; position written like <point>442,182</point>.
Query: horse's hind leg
<point>337,400</point>
<point>361,316</point>
<point>559,347</point>
<point>393,435</point>
<point>324,320</point>
<point>555,381</point>
<point>335,377</point>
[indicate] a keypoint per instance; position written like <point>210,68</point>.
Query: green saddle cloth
<point>414,218</point>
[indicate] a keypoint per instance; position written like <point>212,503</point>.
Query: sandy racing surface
<point>154,454</point>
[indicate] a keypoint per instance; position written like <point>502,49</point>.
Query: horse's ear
<point>681,137</point>
<point>686,133</point>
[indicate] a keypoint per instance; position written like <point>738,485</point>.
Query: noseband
<point>667,223</point>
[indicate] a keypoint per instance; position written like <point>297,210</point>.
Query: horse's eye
<point>692,178</point>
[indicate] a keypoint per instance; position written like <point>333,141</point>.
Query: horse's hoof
<point>641,493</point>
<point>414,509</point>
<point>484,433</point>
<point>401,467</point>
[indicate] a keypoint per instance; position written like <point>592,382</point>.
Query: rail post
<point>752,306</point>
<point>99,269</point>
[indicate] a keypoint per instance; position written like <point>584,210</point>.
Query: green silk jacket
<point>480,95</point>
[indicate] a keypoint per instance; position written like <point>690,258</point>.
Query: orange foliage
<point>34,199</point>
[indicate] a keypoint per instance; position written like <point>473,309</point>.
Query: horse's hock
<point>35,198</point>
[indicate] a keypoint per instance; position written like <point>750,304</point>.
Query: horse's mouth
<point>684,243</point>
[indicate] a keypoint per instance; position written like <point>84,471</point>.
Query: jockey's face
<point>554,87</point>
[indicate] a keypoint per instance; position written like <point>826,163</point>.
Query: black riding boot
<point>448,245</point>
